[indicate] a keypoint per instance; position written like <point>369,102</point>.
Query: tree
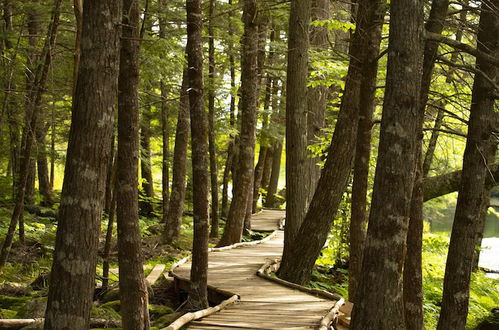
<point>176,207</point>
<point>371,27</point>
<point>198,295</point>
<point>75,257</point>
<point>296,121</point>
<point>249,100</point>
<point>133,289</point>
<point>211,122</point>
<point>479,152</point>
<point>388,221</point>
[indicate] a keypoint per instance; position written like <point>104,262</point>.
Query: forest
<point>249,164</point>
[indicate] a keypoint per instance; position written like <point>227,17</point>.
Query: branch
<point>463,47</point>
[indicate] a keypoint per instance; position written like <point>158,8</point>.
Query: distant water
<point>489,256</point>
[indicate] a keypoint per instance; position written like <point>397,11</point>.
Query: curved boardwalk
<point>263,304</point>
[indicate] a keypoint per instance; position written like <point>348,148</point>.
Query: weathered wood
<point>186,318</point>
<point>155,273</point>
<point>20,323</point>
<point>332,315</point>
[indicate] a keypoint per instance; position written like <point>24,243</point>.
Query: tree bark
<point>296,121</point>
<point>133,290</point>
<point>165,168</point>
<point>369,70</point>
<point>413,276</point>
<point>249,102</point>
<point>75,257</point>
<point>388,221</point>
<point>198,296</point>
<point>177,198</point>
<point>478,154</point>
<point>211,122</point>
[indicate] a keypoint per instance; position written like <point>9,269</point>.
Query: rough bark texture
<point>432,143</point>
<point>249,101</point>
<point>198,295</point>
<point>388,221</point>
<point>211,123</point>
<point>75,257</point>
<point>369,66</point>
<point>35,98</point>
<point>297,266</point>
<point>316,96</point>
<point>413,277</point>
<point>296,121</point>
<point>133,290</point>
<point>177,198</point>
<point>477,156</point>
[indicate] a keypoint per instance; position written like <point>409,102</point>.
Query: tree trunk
<point>249,102</point>
<point>165,168</point>
<point>369,69</point>
<point>477,156</point>
<point>31,120</point>
<point>296,121</point>
<point>211,123</point>
<point>267,168</point>
<point>481,226</point>
<point>42,165</point>
<point>110,209</point>
<point>176,207</point>
<point>388,221</point>
<point>73,271</point>
<point>297,266</point>
<point>316,96</point>
<point>133,290</point>
<point>198,296</point>
<point>413,277</point>
<point>146,206</point>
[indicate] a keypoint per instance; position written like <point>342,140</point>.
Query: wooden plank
<point>155,273</point>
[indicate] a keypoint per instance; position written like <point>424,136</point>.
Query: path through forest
<point>263,304</point>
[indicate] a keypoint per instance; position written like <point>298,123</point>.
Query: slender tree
<point>477,157</point>
<point>249,100</point>
<point>198,295</point>
<point>133,289</point>
<point>73,271</point>
<point>388,221</point>
<point>176,207</point>
<point>296,120</point>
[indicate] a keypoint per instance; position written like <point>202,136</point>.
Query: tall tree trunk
<point>267,168</point>
<point>42,164</point>
<point>133,290</point>
<point>75,257</point>
<point>146,206</point>
<point>176,207</point>
<point>249,102</point>
<point>31,120</point>
<point>413,277</point>
<point>230,148</point>
<point>165,168</point>
<point>477,156</point>
<point>296,121</point>
<point>297,266</point>
<point>388,221</point>
<point>481,226</point>
<point>369,70</point>
<point>211,122</point>
<point>432,143</point>
<point>198,296</point>
<point>316,96</point>
<point>110,210</point>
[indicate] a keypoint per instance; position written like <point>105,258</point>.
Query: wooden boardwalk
<point>263,304</point>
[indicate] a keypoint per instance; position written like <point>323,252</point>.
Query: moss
<point>157,311</point>
<point>35,308</point>
<point>165,320</point>
<point>13,303</point>
<point>106,313</point>
<point>111,295</point>
<point>7,313</point>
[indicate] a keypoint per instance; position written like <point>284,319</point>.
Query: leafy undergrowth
<point>484,300</point>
